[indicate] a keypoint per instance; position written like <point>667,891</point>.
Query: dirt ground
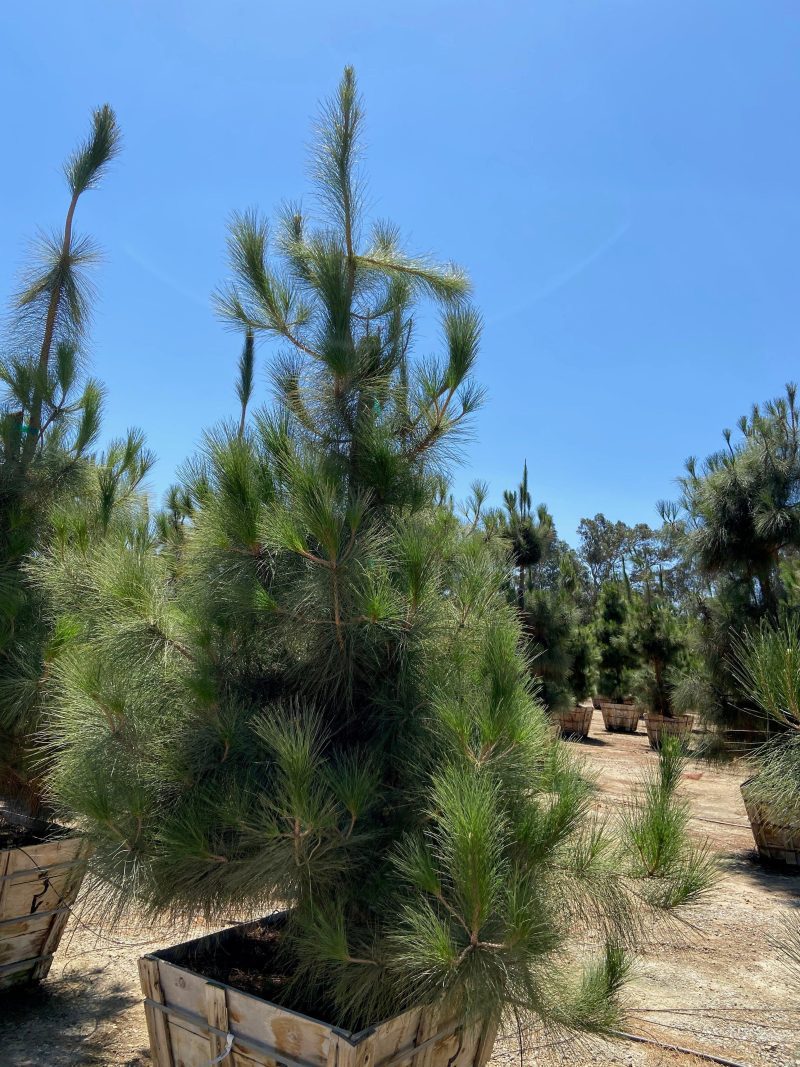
<point>714,983</point>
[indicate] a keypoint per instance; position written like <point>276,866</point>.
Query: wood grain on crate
<point>624,717</point>
<point>192,1020</point>
<point>659,726</point>
<point>778,844</point>
<point>38,885</point>
<point>576,721</point>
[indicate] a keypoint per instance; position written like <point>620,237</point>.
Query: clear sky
<point>620,177</point>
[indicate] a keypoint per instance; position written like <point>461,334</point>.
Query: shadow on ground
<point>73,1022</point>
<point>745,864</point>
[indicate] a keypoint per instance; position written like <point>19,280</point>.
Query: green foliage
<point>547,589</point>
<point>304,684</point>
<point>53,489</point>
<point>741,500</point>
<point>673,870</point>
<point>615,552</point>
<point>529,537</point>
<point>617,658</point>
<point>742,532</point>
<point>602,549</point>
<point>244,386</point>
<point>657,637</point>
<point>583,672</point>
<point>90,160</point>
<point>767,666</point>
<point>549,622</point>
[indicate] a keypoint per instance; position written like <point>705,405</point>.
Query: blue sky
<point>621,179</point>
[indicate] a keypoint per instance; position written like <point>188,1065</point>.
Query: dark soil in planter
<point>247,960</point>
<point>18,837</point>
<point>26,832</point>
<point>252,959</point>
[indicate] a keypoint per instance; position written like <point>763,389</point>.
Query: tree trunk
<point>35,420</point>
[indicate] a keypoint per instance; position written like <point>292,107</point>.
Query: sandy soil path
<point>714,984</point>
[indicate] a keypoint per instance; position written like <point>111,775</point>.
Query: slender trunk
<point>337,616</point>
<point>765,578</point>
<point>35,420</point>
<point>658,670</point>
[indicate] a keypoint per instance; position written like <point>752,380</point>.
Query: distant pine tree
<point>742,532</point>
<point>53,488</point>
<point>614,640</point>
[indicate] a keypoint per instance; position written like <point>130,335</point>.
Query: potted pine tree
<point>543,589</point>
<point>577,720</point>
<point>767,666</point>
<point>617,659</point>
<point>656,633</point>
<point>323,713</point>
<point>53,489</point>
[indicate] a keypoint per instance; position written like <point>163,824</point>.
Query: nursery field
<point>711,981</point>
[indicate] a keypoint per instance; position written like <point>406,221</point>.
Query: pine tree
<point>617,657</point>
<point>317,694</point>
<point>767,667</point>
<point>530,537</point>
<point>541,593</point>
<point>52,486</point>
<point>742,531</point>
<point>658,639</point>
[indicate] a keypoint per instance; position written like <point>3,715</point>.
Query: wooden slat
<point>486,1042</point>
<point>68,894</point>
<point>464,1055</point>
<point>5,859</point>
<point>217,1015</point>
<point>28,874</point>
<point>39,894</point>
<point>23,947</point>
<point>198,1016</point>
<point>333,1050</point>
<point>249,1049</point>
<point>249,1017</point>
<point>19,971</point>
<point>46,854</point>
<point>190,1049</point>
<point>397,1038</point>
<point>356,1055</point>
<point>22,924</point>
<point>157,1028</point>
<point>428,1027</point>
<point>35,902</point>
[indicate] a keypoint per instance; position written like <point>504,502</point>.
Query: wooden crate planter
<point>39,883</point>
<point>575,722</point>
<point>193,1020</point>
<point>621,718</point>
<point>778,844</point>
<point>659,726</point>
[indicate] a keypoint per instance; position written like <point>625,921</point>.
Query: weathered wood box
<point>779,844</point>
<point>193,1020</point>
<point>622,718</point>
<point>659,726</point>
<point>40,875</point>
<point>576,721</point>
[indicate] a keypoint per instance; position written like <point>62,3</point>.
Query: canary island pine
<point>305,687</point>
<point>54,488</point>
